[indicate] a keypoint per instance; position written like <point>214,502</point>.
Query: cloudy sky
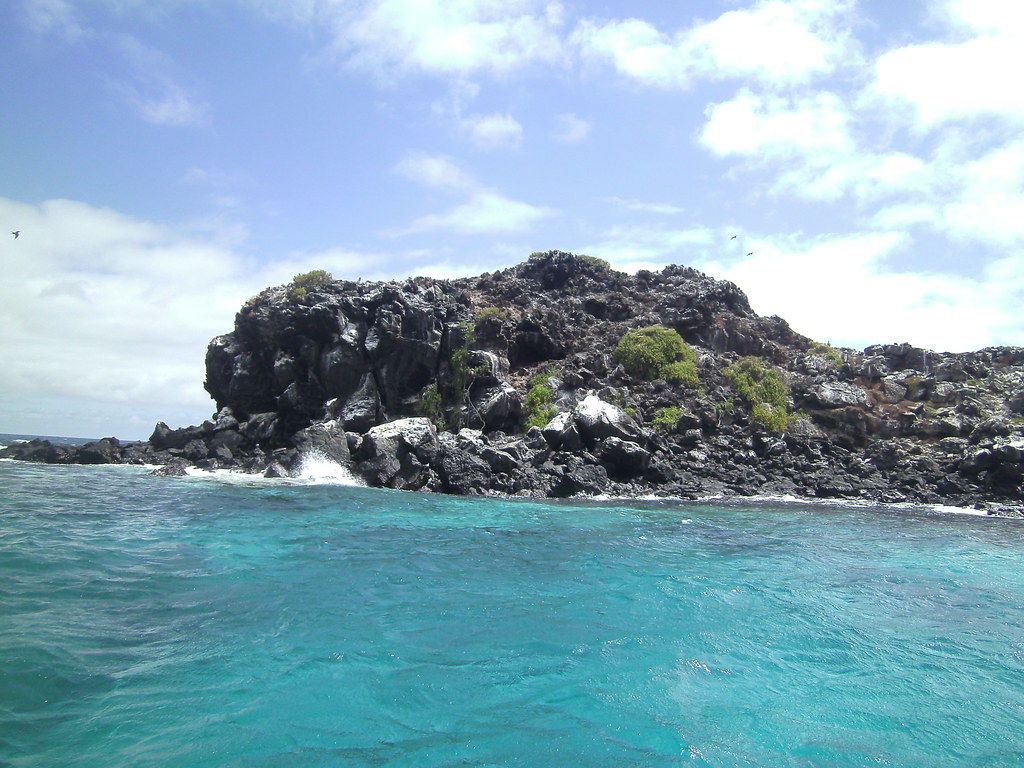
<point>164,160</point>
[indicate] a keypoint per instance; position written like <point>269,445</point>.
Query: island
<point>561,377</point>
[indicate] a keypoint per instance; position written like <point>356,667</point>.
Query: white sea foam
<point>317,468</point>
<point>314,468</point>
<point>867,504</point>
<point>792,501</point>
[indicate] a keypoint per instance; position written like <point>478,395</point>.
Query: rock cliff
<point>510,383</point>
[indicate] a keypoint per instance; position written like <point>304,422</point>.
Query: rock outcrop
<point>426,384</point>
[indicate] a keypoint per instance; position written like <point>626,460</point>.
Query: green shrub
<point>667,419</point>
<point>648,352</point>
<point>307,281</point>
<point>450,398</point>
<point>744,375</point>
<point>430,404</point>
<point>770,417</point>
<point>539,408</point>
<point>490,312</point>
<point>459,361</point>
<point>683,372</point>
<point>539,400</point>
<point>828,352</point>
<point>594,261</point>
<point>763,390</point>
<point>772,391</point>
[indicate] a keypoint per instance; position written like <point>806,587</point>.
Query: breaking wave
<point>316,467</point>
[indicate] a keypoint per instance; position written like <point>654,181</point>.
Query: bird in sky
<point>750,254</point>
<point>16,233</point>
<point>733,237</point>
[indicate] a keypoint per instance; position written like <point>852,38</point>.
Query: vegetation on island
<point>594,261</point>
<point>828,352</point>
<point>763,390</point>
<point>658,352</point>
<point>490,313</point>
<point>667,419</point>
<point>304,282</point>
<point>429,405</point>
<point>540,398</point>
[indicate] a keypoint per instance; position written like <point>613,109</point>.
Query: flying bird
<point>16,233</point>
<point>733,237</point>
<point>750,254</point>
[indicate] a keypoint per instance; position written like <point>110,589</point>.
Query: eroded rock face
<point>398,454</point>
<point>838,394</point>
<point>366,353</point>
<point>423,384</point>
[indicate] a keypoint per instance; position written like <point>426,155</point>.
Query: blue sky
<point>166,159</point>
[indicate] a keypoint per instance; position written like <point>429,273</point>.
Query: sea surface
<point>226,621</point>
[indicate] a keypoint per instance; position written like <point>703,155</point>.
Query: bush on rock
<point>657,352</point>
<point>307,281</point>
<point>763,390</point>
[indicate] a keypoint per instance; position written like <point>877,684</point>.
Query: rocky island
<point>561,376</point>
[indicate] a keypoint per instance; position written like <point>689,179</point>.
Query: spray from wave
<point>316,467</point>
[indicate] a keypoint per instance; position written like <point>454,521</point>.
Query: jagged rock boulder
<point>837,394</point>
<point>164,438</point>
<point>623,458</point>
<point>327,439</point>
<point>596,420</point>
<point>459,467</point>
<point>398,454</point>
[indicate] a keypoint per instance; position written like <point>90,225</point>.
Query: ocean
<point>219,620</point>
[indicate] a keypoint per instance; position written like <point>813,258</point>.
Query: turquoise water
<point>150,621</point>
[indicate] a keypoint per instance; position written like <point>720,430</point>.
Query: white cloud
<point>641,206</point>
<point>765,125</point>
<point>989,206</point>
<point>105,308</point>
<point>636,49</point>
<point>978,202</point>
<point>169,105</point>
<point>994,16</point>
<point>870,178</point>
<point>53,17</point>
<point>450,38</point>
<point>974,77</point>
<point>966,184</point>
<point>948,82</point>
<point>775,42</point>
<point>434,171</point>
<point>778,43</point>
<point>107,317</point>
<point>493,131</point>
<point>840,289</point>
<point>629,248</point>
<point>154,90</point>
<point>486,212</point>
<point>571,129</point>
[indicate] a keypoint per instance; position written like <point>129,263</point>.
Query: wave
<point>790,500</point>
<point>733,500</point>
<point>313,468</point>
<point>316,468</point>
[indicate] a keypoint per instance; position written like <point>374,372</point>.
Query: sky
<point>855,166</point>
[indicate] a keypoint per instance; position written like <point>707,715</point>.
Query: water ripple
<point>156,621</point>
